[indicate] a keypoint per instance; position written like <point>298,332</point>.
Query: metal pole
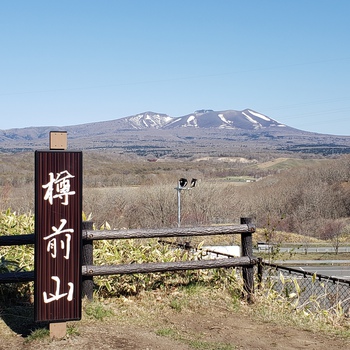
<point>178,206</point>
<point>260,272</point>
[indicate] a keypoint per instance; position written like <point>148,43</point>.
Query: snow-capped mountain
<point>148,120</point>
<point>204,118</point>
<point>160,134</point>
<point>230,119</point>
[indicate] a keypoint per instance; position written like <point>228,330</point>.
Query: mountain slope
<point>201,132</point>
<point>148,120</point>
<point>229,119</point>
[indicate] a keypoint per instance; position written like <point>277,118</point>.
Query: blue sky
<point>79,61</point>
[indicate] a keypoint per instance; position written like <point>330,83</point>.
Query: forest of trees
<point>310,198</point>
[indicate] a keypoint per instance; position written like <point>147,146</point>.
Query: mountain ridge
<point>247,119</point>
<point>203,131</point>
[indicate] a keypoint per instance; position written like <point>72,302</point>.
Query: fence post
<point>247,250</point>
<point>87,259</point>
<point>260,273</point>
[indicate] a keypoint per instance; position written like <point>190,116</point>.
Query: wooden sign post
<point>58,210</point>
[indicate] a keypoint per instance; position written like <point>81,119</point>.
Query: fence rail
<point>17,240</point>
<point>90,270</point>
<point>246,261</point>
<point>329,290</point>
<point>89,234</point>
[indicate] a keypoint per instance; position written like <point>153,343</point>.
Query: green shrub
<point>139,251</point>
<point>12,223</point>
<point>16,258</point>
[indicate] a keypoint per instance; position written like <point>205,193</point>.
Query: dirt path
<point>181,331</point>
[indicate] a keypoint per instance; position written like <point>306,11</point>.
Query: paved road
<point>328,267</point>
<point>325,267</point>
<point>314,249</point>
<point>332,271</point>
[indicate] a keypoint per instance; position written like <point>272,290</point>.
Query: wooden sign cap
<point>58,140</point>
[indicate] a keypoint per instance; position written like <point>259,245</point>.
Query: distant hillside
<point>204,132</point>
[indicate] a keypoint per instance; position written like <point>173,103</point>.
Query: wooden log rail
<point>124,269</point>
<point>17,240</point>
<point>90,270</point>
<point>246,261</point>
<point>89,234</point>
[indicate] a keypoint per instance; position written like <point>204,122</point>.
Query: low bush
<point>269,304</point>
<point>16,258</point>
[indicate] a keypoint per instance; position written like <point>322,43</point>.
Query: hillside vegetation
<point>291,200</point>
<point>196,308</point>
<point>307,196</point>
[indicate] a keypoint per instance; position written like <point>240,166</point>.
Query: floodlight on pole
<point>181,185</point>
<point>182,182</point>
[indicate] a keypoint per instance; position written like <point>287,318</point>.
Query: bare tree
<point>333,230</point>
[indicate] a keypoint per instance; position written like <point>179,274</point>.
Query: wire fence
<point>313,291</point>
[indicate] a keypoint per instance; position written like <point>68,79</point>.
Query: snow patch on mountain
<point>253,121</point>
<point>149,120</point>
<point>265,118</point>
<point>222,117</point>
<point>173,121</point>
<point>228,124</point>
<point>259,115</point>
<point>191,121</point>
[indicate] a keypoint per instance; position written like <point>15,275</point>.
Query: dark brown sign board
<point>58,216</point>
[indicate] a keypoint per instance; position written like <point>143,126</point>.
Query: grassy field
<point>287,163</point>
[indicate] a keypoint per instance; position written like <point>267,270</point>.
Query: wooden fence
<point>246,261</point>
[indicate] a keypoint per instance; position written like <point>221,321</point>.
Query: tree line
<point>312,199</point>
